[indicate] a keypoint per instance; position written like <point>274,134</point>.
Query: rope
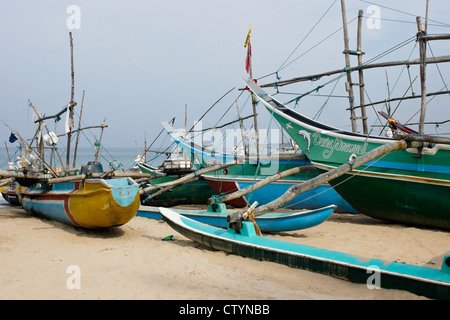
<point>281,67</point>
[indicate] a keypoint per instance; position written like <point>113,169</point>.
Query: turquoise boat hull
<point>431,283</point>
<point>270,222</point>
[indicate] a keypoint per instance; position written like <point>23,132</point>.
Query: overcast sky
<point>140,62</point>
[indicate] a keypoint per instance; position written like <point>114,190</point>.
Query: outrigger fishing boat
<point>409,185</point>
<point>247,173</point>
<point>432,283</point>
<point>172,169</point>
<point>88,203</point>
<point>270,222</point>
<point>88,198</point>
<point>392,188</point>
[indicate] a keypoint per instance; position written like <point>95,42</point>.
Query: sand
<point>45,259</point>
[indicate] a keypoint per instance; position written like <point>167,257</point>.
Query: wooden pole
<point>254,99</point>
<point>48,132</point>
<point>361,75</point>
<point>78,133</point>
<point>7,151</point>
<point>349,85</point>
<point>185,120</point>
<point>425,138</point>
<point>71,104</point>
<point>263,183</point>
<point>295,190</point>
<point>5,182</point>
<point>431,60</point>
<point>145,147</point>
<point>423,86</point>
<point>100,142</point>
<point>241,125</point>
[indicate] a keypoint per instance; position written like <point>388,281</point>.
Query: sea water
<point>117,156</point>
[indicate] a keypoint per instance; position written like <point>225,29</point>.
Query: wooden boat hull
<point>402,186</point>
<point>244,174</point>
<point>95,203</point>
<point>432,283</point>
<point>237,179</point>
<point>10,194</point>
<point>270,222</point>
<point>196,192</point>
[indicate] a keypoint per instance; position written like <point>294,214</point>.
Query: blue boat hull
<point>270,222</point>
<point>318,197</point>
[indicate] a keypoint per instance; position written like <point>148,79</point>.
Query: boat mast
<point>349,86</point>
<point>78,133</point>
<point>423,66</point>
<point>254,99</point>
<point>72,103</point>
<point>359,52</point>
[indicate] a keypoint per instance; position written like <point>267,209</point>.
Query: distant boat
<point>195,192</point>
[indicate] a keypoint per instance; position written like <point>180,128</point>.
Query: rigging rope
<point>282,65</point>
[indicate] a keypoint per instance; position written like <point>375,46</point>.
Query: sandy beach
<point>40,259</point>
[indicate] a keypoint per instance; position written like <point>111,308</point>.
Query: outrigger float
<point>428,282</point>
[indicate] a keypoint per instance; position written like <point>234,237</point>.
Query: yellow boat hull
<point>93,203</point>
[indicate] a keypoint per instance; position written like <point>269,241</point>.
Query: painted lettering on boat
<point>337,144</point>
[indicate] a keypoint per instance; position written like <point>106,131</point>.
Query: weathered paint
<point>92,204</point>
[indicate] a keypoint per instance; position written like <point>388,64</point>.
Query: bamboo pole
<point>72,102</point>
<point>241,125</point>
<point>4,182</point>
<point>361,74</point>
<point>78,133</point>
<point>423,72</point>
<point>187,177</point>
<point>297,189</point>
<point>423,138</point>
<point>48,132</point>
<point>23,175</point>
<point>67,179</point>
<point>405,98</point>
<point>102,175</point>
<point>7,151</point>
<point>431,60</point>
<point>263,183</point>
<point>347,67</point>
<point>100,141</point>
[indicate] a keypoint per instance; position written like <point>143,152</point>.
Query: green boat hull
<point>408,186</point>
<point>391,200</point>
<point>196,192</point>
